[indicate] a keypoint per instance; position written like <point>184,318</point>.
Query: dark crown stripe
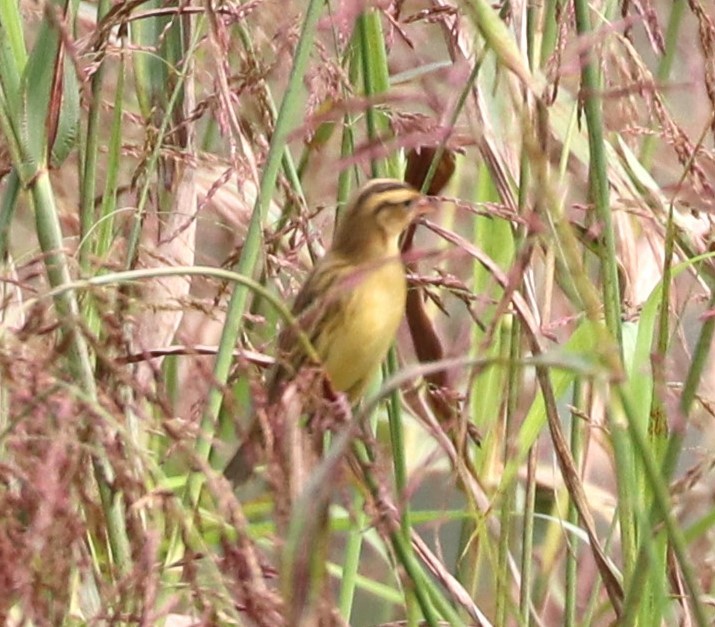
<point>382,193</point>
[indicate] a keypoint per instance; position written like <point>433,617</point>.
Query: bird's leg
<point>332,411</point>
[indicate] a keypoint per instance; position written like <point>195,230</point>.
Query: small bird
<point>350,305</point>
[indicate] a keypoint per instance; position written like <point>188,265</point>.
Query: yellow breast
<point>373,313</point>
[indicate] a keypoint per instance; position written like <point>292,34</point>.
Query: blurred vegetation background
<point>168,174</point>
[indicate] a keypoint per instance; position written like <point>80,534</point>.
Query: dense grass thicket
<point>539,448</point>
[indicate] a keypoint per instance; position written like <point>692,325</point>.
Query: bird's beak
<point>423,206</point>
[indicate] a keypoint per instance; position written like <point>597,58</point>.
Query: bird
<point>349,307</point>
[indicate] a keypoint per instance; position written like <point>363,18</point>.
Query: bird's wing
<point>317,308</point>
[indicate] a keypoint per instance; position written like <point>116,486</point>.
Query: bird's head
<point>379,212</point>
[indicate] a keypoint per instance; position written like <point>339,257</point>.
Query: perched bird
<point>350,305</point>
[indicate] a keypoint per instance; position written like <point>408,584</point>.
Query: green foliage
<point>567,278</point>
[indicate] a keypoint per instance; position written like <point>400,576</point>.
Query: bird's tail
<point>241,466</point>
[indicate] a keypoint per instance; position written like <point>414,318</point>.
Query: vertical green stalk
<point>511,342</point>
<point>699,360</point>
<point>656,543</point>
<point>26,84</point>
<point>429,596</point>
<point>508,501</point>
<point>572,549</point>
<point>88,179</point>
<point>662,504</point>
<point>376,80</point>
<point>97,230</point>
<point>347,145</point>
<point>285,122</point>
<point>153,78</point>
<point>527,537</point>
<point>516,378</point>
<point>488,384</point>
<point>598,176</point>
<point>353,547</point>
<point>7,211</point>
<point>549,33</point>
<point>50,236</point>
<point>635,610</point>
<point>105,237</point>
<point>351,559</point>
<point>399,463</point>
<point>598,180</point>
